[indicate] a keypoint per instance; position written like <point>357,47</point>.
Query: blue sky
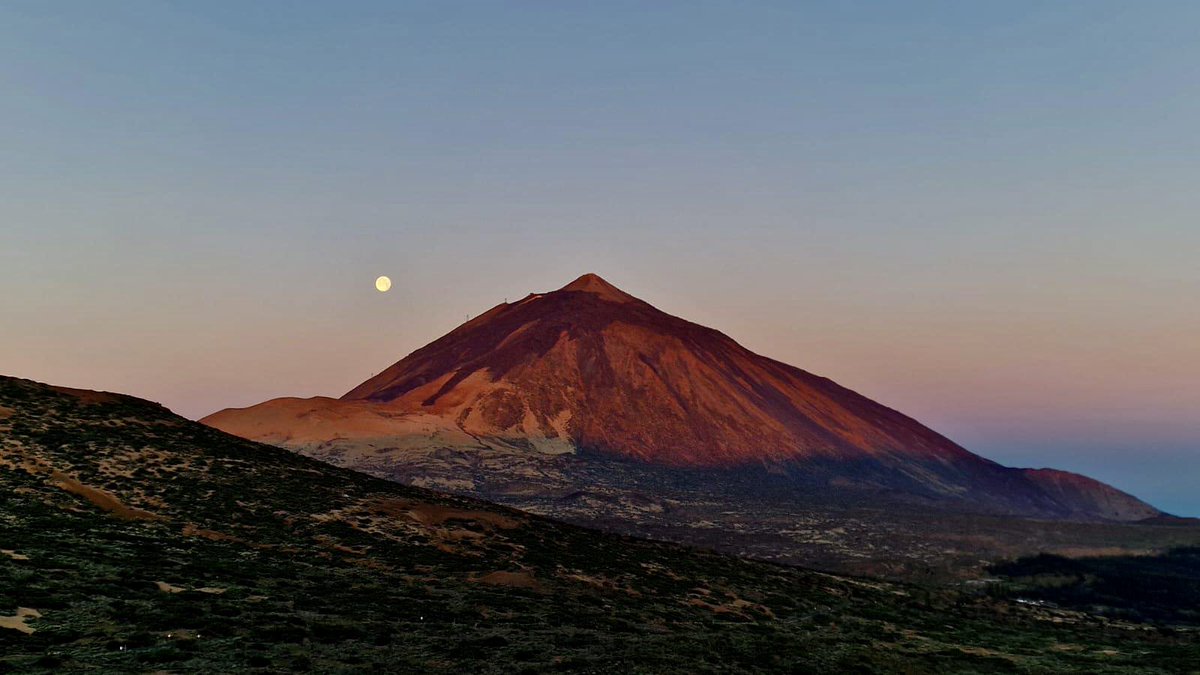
<point>982,214</point>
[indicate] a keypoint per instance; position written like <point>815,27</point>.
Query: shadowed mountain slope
<point>133,540</point>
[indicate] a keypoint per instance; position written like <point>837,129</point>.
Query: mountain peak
<point>591,369</point>
<point>592,283</point>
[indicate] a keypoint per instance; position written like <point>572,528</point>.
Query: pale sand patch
<point>191,530</point>
<point>171,588</point>
<point>17,621</point>
<point>100,498</point>
<point>509,579</point>
<point>13,554</point>
<point>330,542</point>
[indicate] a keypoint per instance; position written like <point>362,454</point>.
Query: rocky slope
<point>133,540</point>
<point>593,371</point>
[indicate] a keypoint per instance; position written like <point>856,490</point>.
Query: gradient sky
<point>986,215</point>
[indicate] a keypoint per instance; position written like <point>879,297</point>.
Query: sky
<point>984,215</point>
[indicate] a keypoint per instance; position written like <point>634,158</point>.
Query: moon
<point>382,284</point>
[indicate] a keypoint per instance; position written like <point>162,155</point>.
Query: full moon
<point>382,284</point>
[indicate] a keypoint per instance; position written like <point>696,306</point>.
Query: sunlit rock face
<point>592,370</point>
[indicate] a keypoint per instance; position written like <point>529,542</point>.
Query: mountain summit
<point>592,283</point>
<point>591,370</point>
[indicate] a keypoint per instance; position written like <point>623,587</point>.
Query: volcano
<point>591,371</point>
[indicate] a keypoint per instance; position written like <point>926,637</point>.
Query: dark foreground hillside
<point>1163,589</point>
<point>135,540</point>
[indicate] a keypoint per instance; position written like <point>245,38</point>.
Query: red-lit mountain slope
<point>591,369</point>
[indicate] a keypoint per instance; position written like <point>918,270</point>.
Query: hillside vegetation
<point>1161,589</point>
<point>136,540</point>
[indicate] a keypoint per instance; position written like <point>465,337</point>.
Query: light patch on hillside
<point>17,621</point>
